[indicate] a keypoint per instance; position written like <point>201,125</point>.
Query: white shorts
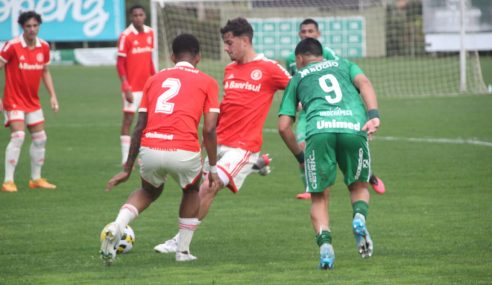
<point>31,118</point>
<point>236,163</point>
<point>185,167</point>
<point>132,107</point>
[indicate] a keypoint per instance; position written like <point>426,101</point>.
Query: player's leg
<point>320,164</point>
<point>152,184</point>
<point>354,160</point>
<point>15,121</point>
<point>129,110</point>
<point>37,151</point>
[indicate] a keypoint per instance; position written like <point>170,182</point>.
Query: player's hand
<point>301,166</point>
<point>117,179</point>
<point>213,181</point>
<point>54,104</point>
<point>371,127</point>
<point>1,106</point>
<point>129,96</point>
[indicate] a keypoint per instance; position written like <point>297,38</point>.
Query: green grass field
<point>433,225</point>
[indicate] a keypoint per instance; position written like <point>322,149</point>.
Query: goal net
<point>386,38</point>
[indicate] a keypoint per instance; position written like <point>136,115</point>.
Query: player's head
<point>308,50</point>
<point>309,29</point>
<point>30,22</point>
<point>186,48</point>
<point>137,16</point>
<point>237,36</point>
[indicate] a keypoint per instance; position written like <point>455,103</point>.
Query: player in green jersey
<point>341,113</point>
<point>309,29</point>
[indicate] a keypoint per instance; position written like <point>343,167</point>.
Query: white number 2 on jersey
<point>162,105</point>
<point>335,87</point>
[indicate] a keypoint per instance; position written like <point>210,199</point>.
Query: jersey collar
<point>134,30</point>
<point>185,64</point>
<point>24,44</point>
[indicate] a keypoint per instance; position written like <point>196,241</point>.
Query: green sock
<point>360,207</point>
<point>323,237</point>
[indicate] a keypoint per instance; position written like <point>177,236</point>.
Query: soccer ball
<point>126,242</point>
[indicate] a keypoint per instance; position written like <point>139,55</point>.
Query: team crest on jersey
<point>135,43</point>
<point>149,40</point>
<point>256,74</point>
<point>40,57</point>
<point>22,57</point>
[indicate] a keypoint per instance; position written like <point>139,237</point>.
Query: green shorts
<point>324,151</point>
<point>301,127</point>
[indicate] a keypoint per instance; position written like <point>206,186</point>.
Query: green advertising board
<point>278,37</point>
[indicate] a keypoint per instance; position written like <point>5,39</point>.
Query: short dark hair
<point>238,27</point>
<point>309,46</point>
<point>185,43</point>
<point>309,21</point>
<point>26,16</point>
<point>136,6</point>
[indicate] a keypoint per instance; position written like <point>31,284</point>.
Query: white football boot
<point>363,240</point>
<point>169,246</point>
<point>185,256</point>
<point>110,236</point>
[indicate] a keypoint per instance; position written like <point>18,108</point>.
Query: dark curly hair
<point>238,27</point>
<point>26,16</point>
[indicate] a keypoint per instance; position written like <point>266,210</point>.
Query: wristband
<point>300,157</point>
<point>373,113</point>
<point>212,169</point>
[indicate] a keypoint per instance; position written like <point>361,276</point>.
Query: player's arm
<point>126,88</point>
<point>369,97</point>
<point>132,154</point>
<point>48,83</point>
<point>2,64</point>
<point>210,144</point>
<point>286,119</point>
<point>285,130</point>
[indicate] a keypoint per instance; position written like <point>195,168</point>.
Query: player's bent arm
<point>369,97</point>
<point>210,136</point>
<point>366,91</point>
<point>48,83</point>
<point>135,142</point>
<point>288,136</point>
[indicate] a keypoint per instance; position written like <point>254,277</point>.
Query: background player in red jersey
<point>26,60</point>
<point>250,82</point>
<point>167,140</point>
<point>134,65</point>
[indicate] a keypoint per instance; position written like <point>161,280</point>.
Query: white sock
<point>187,227</point>
<point>12,154</point>
<point>127,214</point>
<point>125,147</point>
<point>37,152</point>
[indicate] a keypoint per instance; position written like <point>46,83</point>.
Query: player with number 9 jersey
<point>174,100</point>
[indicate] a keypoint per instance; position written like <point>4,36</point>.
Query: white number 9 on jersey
<point>335,87</point>
<point>162,105</point>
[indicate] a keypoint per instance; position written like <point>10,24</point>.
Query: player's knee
<point>17,139</point>
<point>39,139</point>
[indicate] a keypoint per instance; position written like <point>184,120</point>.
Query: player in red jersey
<point>166,138</point>
<point>26,60</point>
<point>250,82</point>
<point>134,65</point>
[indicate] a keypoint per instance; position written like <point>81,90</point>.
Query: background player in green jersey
<point>309,29</point>
<point>337,131</point>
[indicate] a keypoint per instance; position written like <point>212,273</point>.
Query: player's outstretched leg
<point>169,246</point>
<point>110,236</point>
<point>363,240</point>
<point>262,165</point>
<point>377,184</point>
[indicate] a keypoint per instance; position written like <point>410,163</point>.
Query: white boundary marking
<point>422,140</point>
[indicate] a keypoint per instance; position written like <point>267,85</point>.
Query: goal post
<point>386,38</point>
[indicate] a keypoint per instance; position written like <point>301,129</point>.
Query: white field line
<point>422,140</point>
